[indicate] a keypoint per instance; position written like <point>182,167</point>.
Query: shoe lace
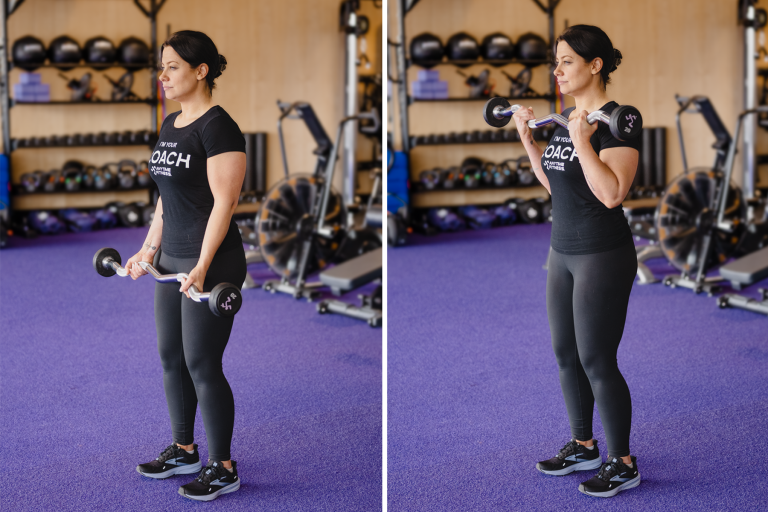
<point>167,453</point>
<point>608,470</point>
<point>568,449</point>
<point>208,473</point>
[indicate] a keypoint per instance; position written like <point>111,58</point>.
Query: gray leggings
<point>191,341</point>
<point>587,298</point>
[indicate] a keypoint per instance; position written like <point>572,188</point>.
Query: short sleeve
<point>222,135</point>
<point>607,140</point>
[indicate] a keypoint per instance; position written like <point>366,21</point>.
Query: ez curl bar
<point>625,122</point>
<point>224,300</point>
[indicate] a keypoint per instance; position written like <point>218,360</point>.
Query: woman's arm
<point>608,175</point>
<point>521,117</point>
<point>225,176</point>
<point>151,244</point>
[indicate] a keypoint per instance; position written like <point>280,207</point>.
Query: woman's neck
<point>591,100</point>
<point>192,109</point>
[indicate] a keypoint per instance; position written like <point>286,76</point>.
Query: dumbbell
<point>625,122</point>
<point>142,174</point>
<point>430,178</point>
<point>224,300</point>
<point>487,173</point>
<point>472,169</point>
<point>505,175</point>
<point>126,173</point>
<point>104,178</point>
<point>524,171</point>
<point>53,181</point>
<point>451,177</point>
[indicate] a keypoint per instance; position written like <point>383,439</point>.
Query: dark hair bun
<point>222,66</point>
<point>616,59</point>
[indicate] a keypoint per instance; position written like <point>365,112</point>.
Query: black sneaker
<point>213,480</point>
<point>614,477</point>
<point>173,461</point>
<point>572,457</point>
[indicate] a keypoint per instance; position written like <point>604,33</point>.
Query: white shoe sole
<point>581,466</point>
<point>178,470</point>
<point>208,497</point>
<point>629,484</point>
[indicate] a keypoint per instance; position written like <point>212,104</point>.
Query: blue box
<point>5,182</point>
<point>398,187</point>
<point>30,78</point>
<point>428,75</point>
<point>42,98</point>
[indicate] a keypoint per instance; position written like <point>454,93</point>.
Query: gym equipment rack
<point>6,10</point>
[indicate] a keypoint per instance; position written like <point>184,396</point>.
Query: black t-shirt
<point>581,224</point>
<point>179,166</point>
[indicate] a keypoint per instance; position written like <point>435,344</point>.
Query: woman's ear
<point>202,71</point>
<point>597,65</point>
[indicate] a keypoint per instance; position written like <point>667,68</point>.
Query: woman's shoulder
<point>219,117</point>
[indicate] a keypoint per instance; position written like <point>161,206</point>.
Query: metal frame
<point>8,8</point>
<point>403,7</point>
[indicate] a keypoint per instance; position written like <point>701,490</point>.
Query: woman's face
<point>572,72</point>
<point>180,80</point>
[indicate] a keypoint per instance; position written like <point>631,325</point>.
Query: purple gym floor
<point>82,402</point>
<point>474,399</point>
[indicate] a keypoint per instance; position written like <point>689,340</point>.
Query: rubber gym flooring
<point>474,398</point>
<point>82,402</point>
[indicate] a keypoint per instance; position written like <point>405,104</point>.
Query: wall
<point>686,48</point>
<point>273,52</point>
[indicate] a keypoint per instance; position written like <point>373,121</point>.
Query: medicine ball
<point>462,46</point>
<point>426,50</point>
<point>531,47</point>
<point>133,51</point>
<point>100,53</point>
<point>64,50</point>
<point>497,46</point>
<point>28,53</point>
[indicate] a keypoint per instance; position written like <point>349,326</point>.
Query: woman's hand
<point>579,129</point>
<point>133,267</point>
<point>196,277</point>
<point>521,117</point>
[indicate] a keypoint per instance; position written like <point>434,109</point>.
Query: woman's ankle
<point>587,444</point>
<point>188,447</point>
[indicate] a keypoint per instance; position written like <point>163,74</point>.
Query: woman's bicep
<point>623,163</point>
<point>225,175</point>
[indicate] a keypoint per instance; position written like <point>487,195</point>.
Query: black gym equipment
<point>427,50</point>
<point>531,47</point>
<point>430,179</point>
<point>348,276</point>
<point>100,52</point>
<point>625,122</point>
<point>524,172</point>
<point>133,52</point>
<point>520,85</point>
<point>121,88</point>
<point>65,53</point>
<point>224,300</point>
<point>497,47</point>
<point>479,86</point>
<point>81,89</point>
<point>472,170</point>
<point>302,222</point>
<point>461,49</point>
<point>702,219</point>
<point>28,53</point>
<point>126,173</point>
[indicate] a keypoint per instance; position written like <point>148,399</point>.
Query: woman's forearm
<point>155,234</point>
<point>216,230</point>
<point>600,178</point>
<point>535,153</point>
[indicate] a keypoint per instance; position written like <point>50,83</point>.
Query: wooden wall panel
<point>275,50</point>
<point>691,47</point>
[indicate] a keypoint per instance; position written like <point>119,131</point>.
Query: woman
<point>199,166</point>
<point>593,262</point>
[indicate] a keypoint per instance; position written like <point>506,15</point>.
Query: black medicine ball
<point>28,53</point>
<point>531,47</point>
<point>133,51</point>
<point>426,50</point>
<point>497,46</point>
<point>64,50</point>
<point>462,46</point>
<point>100,53</point>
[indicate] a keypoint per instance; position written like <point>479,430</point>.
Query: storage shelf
<point>135,145</point>
<point>541,135</point>
<point>18,192</point>
<point>480,62</point>
<point>464,196</point>
<point>81,199</point>
<point>548,97</point>
<point>95,102</point>
<point>70,67</point>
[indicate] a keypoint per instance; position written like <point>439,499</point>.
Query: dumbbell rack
<point>57,200</point>
<point>459,196</point>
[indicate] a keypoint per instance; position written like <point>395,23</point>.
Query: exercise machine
<point>303,223</point>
